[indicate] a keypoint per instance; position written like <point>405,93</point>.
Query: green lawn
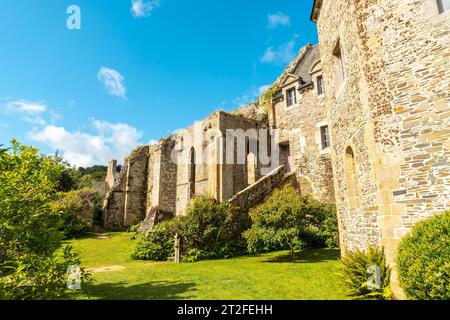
<point>269,276</point>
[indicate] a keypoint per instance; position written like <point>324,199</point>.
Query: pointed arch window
<point>351,178</point>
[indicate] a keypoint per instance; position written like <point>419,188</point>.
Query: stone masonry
<point>386,68</point>
<point>157,182</point>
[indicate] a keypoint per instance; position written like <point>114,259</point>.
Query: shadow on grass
<point>308,256</point>
<point>160,290</point>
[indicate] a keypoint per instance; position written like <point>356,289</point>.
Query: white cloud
<point>24,106</point>
<point>278,19</point>
<point>83,149</point>
<point>250,96</point>
<point>141,8</point>
<point>35,120</point>
<point>280,55</point>
<point>113,82</point>
<point>30,111</point>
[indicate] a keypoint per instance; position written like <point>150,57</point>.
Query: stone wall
<point>124,204</point>
<point>389,117</point>
<point>234,177</point>
<point>257,192</point>
<point>196,138</point>
<point>299,126</point>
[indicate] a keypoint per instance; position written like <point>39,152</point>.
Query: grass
<point>268,276</point>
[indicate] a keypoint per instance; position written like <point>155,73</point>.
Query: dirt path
<point>105,269</point>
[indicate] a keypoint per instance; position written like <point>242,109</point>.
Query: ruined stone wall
<point>204,171</point>
<point>393,110</point>
<point>255,193</point>
<point>136,186</point>
<point>161,183</point>
<point>168,189</point>
<point>114,203</point>
<point>300,126</point>
<point>253,111</point>
<point>234,177</point>
<point>125,203</point>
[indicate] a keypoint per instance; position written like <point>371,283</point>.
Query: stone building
<point>299,114</point>
<point>158,181</point>
<point>386,73</point>
<point>240,156</point>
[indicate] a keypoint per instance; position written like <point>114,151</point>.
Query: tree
<point>29,235</point>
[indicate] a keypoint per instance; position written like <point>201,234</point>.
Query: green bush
<point>212,227</point>
<point>194,255</point>
<point>39,278</point>
<point>423,260</point>
<point>29,229</point>
<point>288,220</point>
<point>77,209</point>
<point>135,228</point>
<point>157,245</point>
<point>365,273</point>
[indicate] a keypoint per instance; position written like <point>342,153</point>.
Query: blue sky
<point>138,69</point>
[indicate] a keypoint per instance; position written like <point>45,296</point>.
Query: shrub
<point>365,273</point>
<point>135,228</point>
<point>77,210</point>
<point>39,278</point>
<point>212,227</point>
<point>29,228</point>
<point>194,255</point>
<point>288,220</point>
<point>423,260</point>
<point>157,244</point>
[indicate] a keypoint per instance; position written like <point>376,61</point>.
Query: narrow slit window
<point>339,61</point>
<point>320,89</point>
<point>325,134</point>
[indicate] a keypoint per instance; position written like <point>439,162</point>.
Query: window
<point>443,5</point>
<point>339,61</point>
<point>291,97</point>
<point>320,85</point>
<point>191,173</point>
<point>324,133</point>
<point>351,177</point>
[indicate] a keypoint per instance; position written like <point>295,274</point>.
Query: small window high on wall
<point>291,97</point>
<point>443,5</point>
<point>325,135</point>
<point>320,90</point>
<point>339,62</point>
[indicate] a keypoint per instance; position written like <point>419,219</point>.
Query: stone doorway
<point>285,155</point>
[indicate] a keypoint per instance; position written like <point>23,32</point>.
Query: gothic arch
<point>192,173</point>
<point>351,179</point>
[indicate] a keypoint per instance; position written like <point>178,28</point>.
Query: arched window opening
<point>351,177</point>
<point>251,161</point>
<point>191,172</point>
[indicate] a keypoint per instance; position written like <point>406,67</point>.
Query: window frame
<point>320,86</point>
<point>291,101</point>
<point>325,137</point>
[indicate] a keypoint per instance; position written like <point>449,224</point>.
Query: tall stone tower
<point>386,69</point>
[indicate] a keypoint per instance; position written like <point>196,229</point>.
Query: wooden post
<point>177,248</point>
